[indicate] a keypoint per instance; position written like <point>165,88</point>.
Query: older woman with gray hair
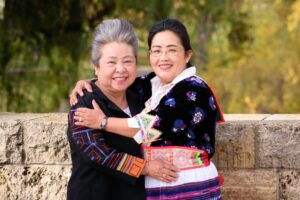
<point>109,166</point>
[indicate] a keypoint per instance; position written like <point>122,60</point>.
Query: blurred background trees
<point>247,50</point>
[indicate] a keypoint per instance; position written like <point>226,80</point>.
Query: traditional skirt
<point>198,177</point>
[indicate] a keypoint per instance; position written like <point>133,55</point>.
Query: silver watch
<point>103,123</point>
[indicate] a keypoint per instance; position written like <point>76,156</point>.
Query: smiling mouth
<point>120,78</point>
<point>165,66</point>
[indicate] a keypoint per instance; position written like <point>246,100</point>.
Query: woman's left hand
<point>89,117</point>
<point>161,170</point>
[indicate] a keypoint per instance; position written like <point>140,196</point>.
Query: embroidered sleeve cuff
<point>131,165</point>
<point>147,133</point>
<point>132,122</point>
<point>138,137</point>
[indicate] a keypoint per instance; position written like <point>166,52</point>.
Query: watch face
<point>103,123</point>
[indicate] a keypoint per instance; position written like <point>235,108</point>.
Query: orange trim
<point>136,167</point>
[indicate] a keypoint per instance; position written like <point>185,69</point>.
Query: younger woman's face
<point>167,56</point>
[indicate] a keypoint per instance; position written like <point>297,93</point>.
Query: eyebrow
<point>170,45</point>
<point>114,57</point>
<point>128,57</point>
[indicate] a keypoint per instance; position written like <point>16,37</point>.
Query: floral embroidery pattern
<point>191,96</point>
<point>198,116</point>
<point>209,149</point>
<point>196,81</point>
<point>183,113</point>
<point>190,134</point>
<point>170,102</point>
<point>206,137</point>
<point>191,143</point>
<point>212,103</point>
<point>178,126</point>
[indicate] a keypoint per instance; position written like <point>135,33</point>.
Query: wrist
<point>103,123</point>
<point>145,170</point>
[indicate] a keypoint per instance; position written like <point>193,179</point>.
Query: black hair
<point>176,27</point>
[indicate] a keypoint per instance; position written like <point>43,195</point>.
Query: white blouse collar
<point>156,83</point>
<point>159,90</point>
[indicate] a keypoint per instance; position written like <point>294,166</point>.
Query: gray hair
<point>113,30</point>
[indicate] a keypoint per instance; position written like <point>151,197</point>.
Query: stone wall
<point>258,156</point>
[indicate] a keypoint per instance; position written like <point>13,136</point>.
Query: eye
<point>128,61</point>
<point>156,52</point>
<point>111,62</point>
<point>172,51</point>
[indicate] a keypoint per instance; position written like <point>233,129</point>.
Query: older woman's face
<point>117,67</point>
<point>167,56</point>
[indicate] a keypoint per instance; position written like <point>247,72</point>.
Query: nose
<point>120,68</point>
<point>164,55</point>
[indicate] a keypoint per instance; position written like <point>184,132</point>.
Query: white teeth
<point>164,66</point>
<point>119,78</point>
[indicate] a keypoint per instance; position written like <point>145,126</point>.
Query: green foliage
<point>40,48</point>
<point>261,75</point>
<point>247,50</point>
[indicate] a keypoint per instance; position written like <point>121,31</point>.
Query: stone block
<point>10,142</point>
<point>235,145</point>
<point>278,145</point>
<point>289,185</point>
<point>11,132</point>
<point>245,117</point>
<point>33,182</point>
<point>45,140</point>
<point>11,138</point>
<point>283,117</point>
<point>249,184</point>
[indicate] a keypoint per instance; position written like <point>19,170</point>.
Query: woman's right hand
<point>79,87</point>
<point>161,169</point>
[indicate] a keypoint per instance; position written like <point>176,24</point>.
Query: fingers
<point>78,119</point>
<point>162,170</point>
<point>169,172</point>
<point>167,178</point>
<point>88,117</point>
<point>81,121</point>
<point>77,123</point>
<point>88,87</point>
<point>80,86</point>
<point>95,105</point>
<point>73,99</point>
<point>81,110</point>
<point>168,165</point>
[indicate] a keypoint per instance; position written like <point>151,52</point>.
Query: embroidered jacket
<point>186,109</point>
<point>105,166</point>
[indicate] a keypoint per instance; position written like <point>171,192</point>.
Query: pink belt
<point>182,157</point>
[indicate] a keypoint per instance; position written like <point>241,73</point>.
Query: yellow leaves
<point>250,105</point>
<point>1,8</point>
<point>202,2</point>
<point>277,2</point>
<point>179,4</point>
<point>294,18</point>
<point>242,61</point>
<point>292,76</point>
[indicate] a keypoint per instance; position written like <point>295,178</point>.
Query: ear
<point>188,56</point>
<point>96,69</point>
